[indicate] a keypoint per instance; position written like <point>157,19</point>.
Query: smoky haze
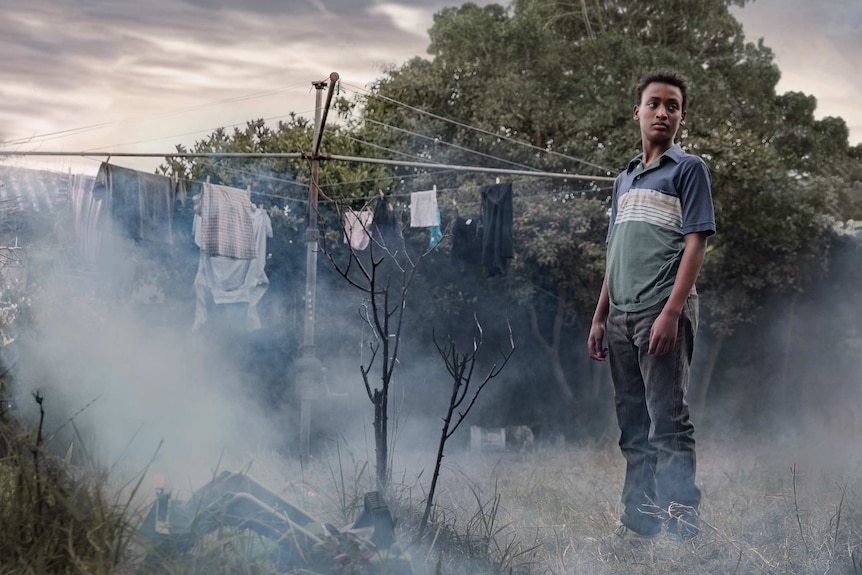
<point>117,344</point>
<point>148,389</point>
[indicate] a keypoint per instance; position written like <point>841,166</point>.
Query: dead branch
<point>460,366</point>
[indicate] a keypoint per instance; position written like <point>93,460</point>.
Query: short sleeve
<point>695,193</point>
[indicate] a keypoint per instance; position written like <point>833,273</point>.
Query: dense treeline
<point>549,85</point>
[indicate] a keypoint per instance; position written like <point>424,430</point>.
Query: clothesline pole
<point>309,375</point>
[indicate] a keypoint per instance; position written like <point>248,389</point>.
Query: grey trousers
<point>657,436</point>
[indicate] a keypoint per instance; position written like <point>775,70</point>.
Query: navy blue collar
<point>675,153</point>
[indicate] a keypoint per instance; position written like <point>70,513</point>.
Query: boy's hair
<point>664,77</point>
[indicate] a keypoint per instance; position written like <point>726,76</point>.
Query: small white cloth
<point>423,209</point>
<point>356,226</point>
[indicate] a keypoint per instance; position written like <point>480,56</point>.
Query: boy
<point>661,216</point>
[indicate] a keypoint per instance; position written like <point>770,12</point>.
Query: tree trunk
<point>552,349</point>
<point>380,439</point>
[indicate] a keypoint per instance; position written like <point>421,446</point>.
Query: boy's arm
<point>663,333</point>
<point>596,339</point>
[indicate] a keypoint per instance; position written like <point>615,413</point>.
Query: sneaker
<point>625,540</point>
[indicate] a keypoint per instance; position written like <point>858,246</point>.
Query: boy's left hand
<point>662,335</point>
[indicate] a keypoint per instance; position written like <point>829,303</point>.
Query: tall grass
<point>541,512</point>
<point>762,514</point>
<point>55,519</point>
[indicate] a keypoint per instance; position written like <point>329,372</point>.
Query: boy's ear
<point>635,112</point>
<point>682,120</point>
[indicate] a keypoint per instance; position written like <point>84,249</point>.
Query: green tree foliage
<point>274,178</point>
<point>558,78</point>
<point>281,184</point>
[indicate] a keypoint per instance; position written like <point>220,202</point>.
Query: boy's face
<point>660,112</point>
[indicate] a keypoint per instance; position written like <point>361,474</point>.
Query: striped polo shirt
<point>653,208</point>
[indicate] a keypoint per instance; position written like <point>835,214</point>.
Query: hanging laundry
<point>497,243</point>
<point>466,241</point>
<point>233,280</point>
<point>226,222</point>
<point>436,234</point>
<point>386,227</point>
<point>356,228</point>
<point>141,204</point>
<point>423,209</point>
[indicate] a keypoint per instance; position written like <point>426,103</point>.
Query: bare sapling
<point>383,274</point>
<point>461,366</point>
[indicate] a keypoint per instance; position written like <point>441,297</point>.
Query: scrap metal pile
<point>288,536</point>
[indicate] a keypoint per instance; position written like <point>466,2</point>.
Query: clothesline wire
<point>370,94</point>
<point>256,193</point>
<point>335,184</point>
<point>305,186</point>
<point>456,146</point>
<point>354,139</point>
<point>395,177</point>
<point>365,198</point>
<point>384,148</point>
<point>360,141</point>
<point>457,189</point>
<point>293,182</point>
<point>366,180</point>
<point>63,133</point>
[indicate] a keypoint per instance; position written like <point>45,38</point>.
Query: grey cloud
<point>114,48</point>
<point>160,53</point>
<point>817,47</point>
<point>306,7</point>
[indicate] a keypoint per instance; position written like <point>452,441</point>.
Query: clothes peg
<point>208,179</point>
<point>498,180</point>
<point>434,187</point>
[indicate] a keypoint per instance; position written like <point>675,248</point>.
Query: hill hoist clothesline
<point>309,369</point>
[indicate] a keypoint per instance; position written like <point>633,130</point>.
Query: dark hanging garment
<point>497,244</point>
<point>386,227</point>
<point>466,241</point>
<point>141,204</point>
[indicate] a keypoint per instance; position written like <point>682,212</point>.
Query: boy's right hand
<point>595,341</point>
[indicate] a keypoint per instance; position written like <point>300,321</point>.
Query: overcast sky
<point>143,76</point>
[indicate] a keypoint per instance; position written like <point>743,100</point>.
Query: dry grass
<point>765,511</point>
<point>54,519</point>
<point>761,515</point>
<point>542,511</point>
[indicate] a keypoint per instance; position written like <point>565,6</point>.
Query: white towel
<point>423,209</point>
